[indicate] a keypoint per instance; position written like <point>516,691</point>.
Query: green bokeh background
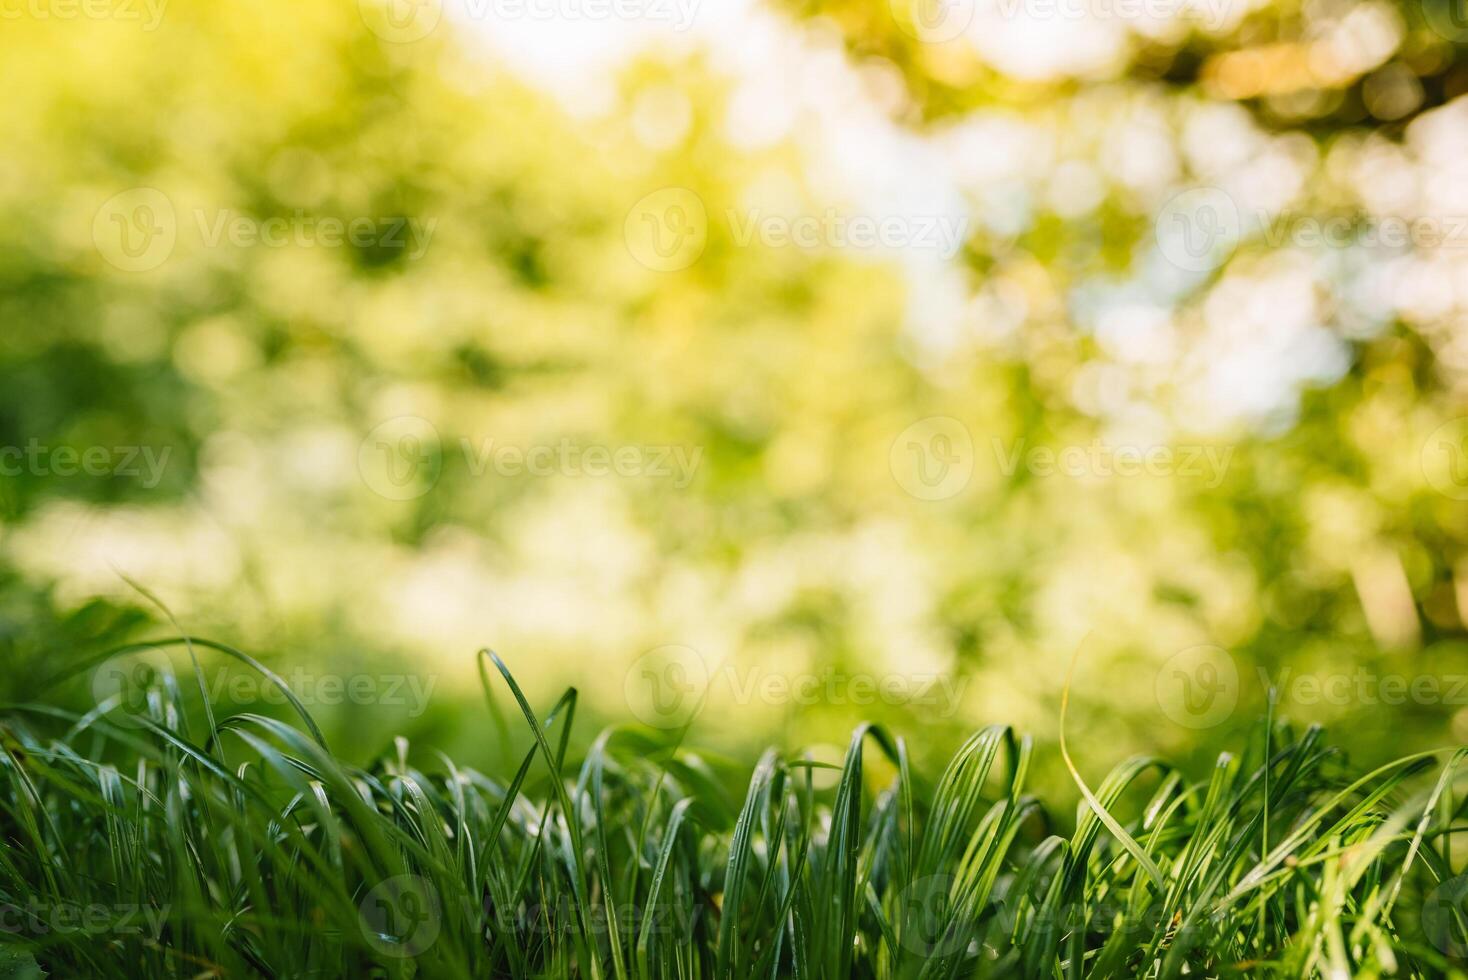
<point>534,315</point>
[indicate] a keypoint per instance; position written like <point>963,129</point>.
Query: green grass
<point>149,845</point>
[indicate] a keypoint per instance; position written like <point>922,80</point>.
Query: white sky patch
<point>574,48</point>
<point>1029,39</point>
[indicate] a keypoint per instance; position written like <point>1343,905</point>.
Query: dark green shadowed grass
<point>135,845</point>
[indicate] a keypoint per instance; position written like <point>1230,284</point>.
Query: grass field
<point>139,843</point>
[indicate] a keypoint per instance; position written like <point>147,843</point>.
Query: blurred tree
<point>346,419</point>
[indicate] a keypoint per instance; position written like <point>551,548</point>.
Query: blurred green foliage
<point>531,316</point>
